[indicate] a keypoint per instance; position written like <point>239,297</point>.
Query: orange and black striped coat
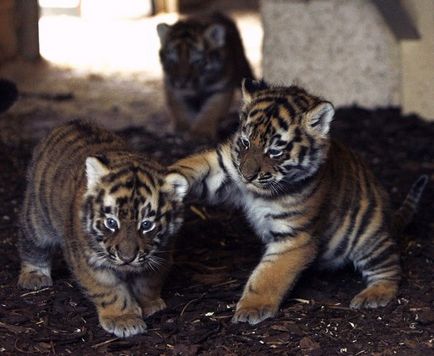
<point>306,196</point>
<point>112,211</point>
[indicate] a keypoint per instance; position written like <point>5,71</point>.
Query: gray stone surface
<point>340,49</point>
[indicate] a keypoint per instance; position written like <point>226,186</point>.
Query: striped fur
<point>113,212</point>
<point>203,61</point>
<point>306,196</point>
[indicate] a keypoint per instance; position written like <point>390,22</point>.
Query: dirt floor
<point>216,251</point>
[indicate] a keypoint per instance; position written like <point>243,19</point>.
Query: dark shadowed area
<point>216,252</point>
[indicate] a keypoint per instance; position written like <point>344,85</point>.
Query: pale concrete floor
<point>110,67</point>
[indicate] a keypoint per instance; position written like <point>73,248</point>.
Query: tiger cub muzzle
<point>129,246</point>
<point>255,167</point>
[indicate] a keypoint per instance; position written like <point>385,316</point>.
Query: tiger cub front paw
<point>253,313</point>
<point>152,306</point>
<point>123,325</point>
<point>34,279</point>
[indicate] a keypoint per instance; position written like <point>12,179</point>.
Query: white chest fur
<point>260,214</point>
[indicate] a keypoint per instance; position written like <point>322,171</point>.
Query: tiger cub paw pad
<point>34,280</point>
<point>373,297</point>
<point>254,314</point>
<point>123,325</point>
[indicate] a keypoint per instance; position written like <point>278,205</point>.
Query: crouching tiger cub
<point>203,61</point>
<point>112,211</point>
<point>306,196</point>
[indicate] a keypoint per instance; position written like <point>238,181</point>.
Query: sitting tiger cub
<point>203,61</point>
<point>306,196</point>
<point>112,211</point>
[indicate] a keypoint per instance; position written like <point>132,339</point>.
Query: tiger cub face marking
<point>127,216</point>
<point>278,144</point>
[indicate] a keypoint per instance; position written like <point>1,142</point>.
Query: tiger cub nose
<point>250,176</point>
<point>127,256</point>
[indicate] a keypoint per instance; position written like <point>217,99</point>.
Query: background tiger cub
<point>306,196</point>
<point>112,211</point>
<point>203,61</point>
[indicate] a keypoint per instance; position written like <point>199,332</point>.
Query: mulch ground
<point>216,251</point>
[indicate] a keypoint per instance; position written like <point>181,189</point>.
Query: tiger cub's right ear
<point>95,170</point>
<point>249,87</point>
<point>162,30</point>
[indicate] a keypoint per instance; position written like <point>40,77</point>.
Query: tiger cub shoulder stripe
<point>203,61</point>
<point>113,212</point>
<point>307,197</point>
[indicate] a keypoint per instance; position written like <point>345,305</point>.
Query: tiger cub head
<point>131,210</point>
<point>283,136</point>
<point>192,53</point>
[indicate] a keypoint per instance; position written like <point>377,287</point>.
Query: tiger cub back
<point>203,61</point>
<point>113,212</point>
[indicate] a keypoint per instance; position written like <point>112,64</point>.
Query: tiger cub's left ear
<point>176,185</point>
<point>319,118</point>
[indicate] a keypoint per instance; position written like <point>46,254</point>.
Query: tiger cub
<point>203,62</point>
<point>306,196</point>
<point>112,211</point>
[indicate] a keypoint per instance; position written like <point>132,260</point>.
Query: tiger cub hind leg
<point>35,270</point>
<point>378,294</point>
<point>380,268</point>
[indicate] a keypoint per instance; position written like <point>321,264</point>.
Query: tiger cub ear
<point>216,35</point>
<point>162,30</point>
<point>176,185</point>
<point>319,118</point>
<point>249,87</point>
<point>95,170</point>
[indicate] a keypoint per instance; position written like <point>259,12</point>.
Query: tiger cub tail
<point>408,208</point>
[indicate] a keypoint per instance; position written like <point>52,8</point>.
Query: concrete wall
<point>417,58</point>
<point>345,51</point>
<point>340,49</point>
